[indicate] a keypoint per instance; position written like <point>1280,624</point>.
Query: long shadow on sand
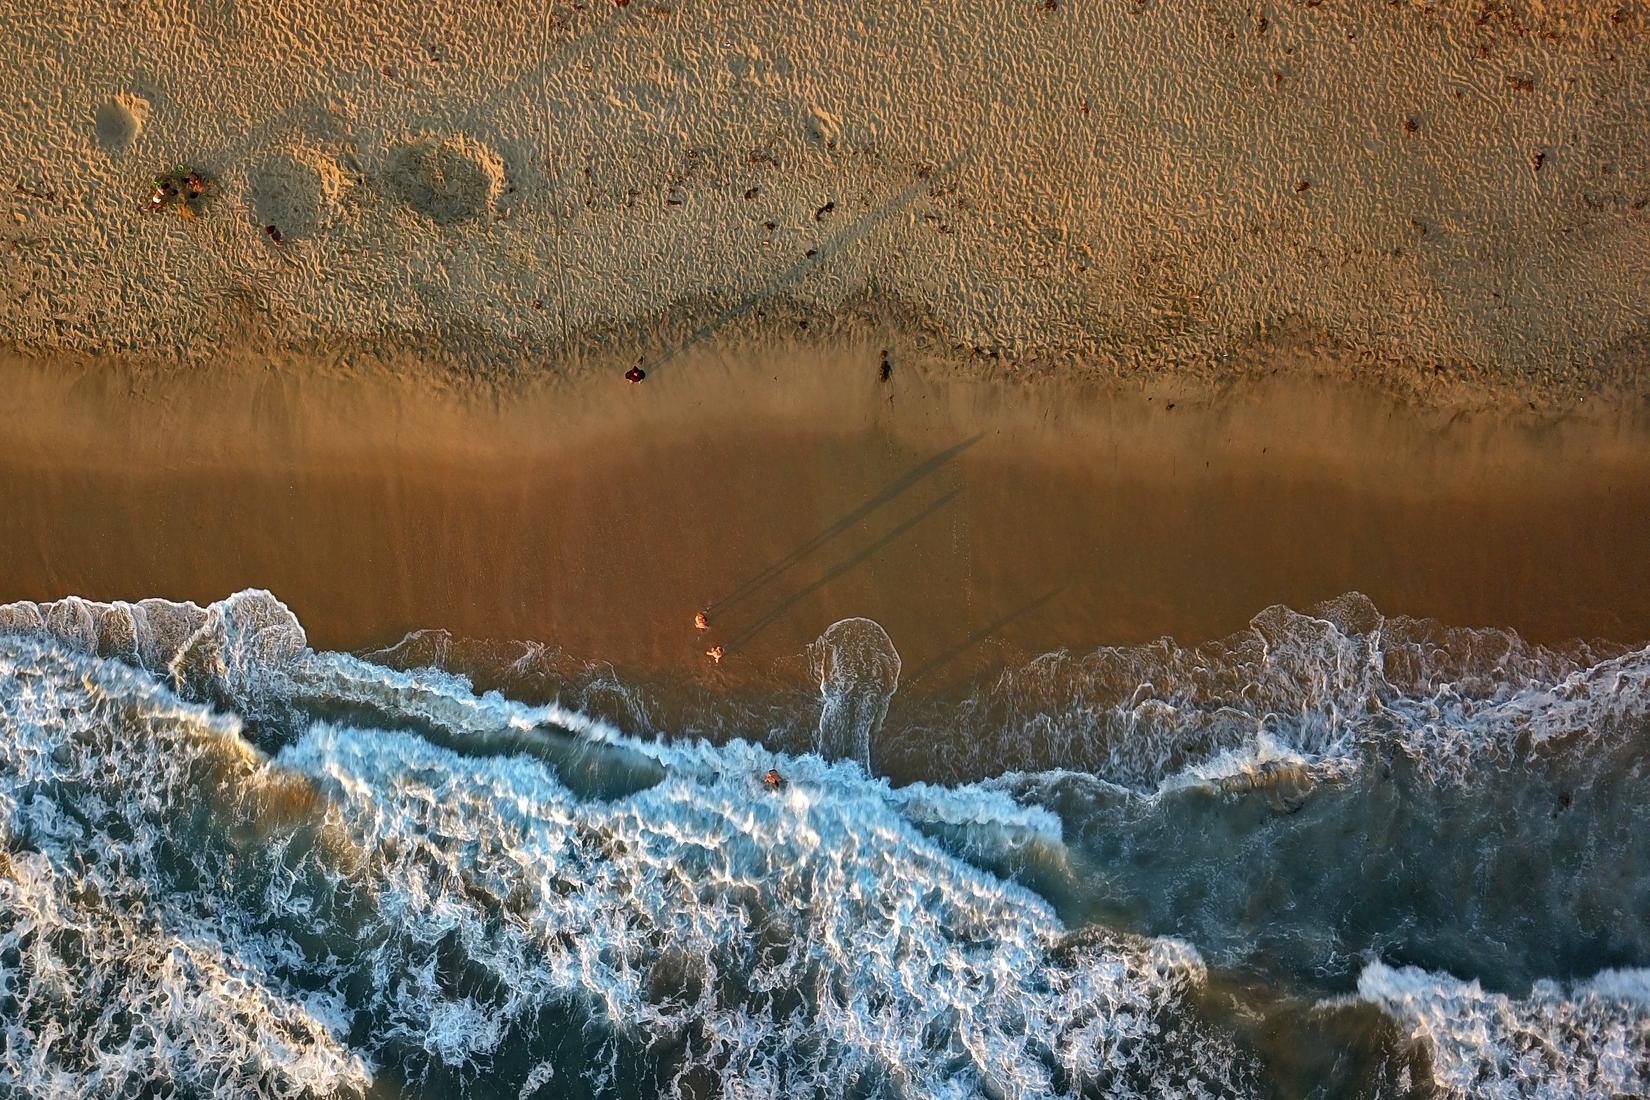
<point>838,570</point>
<point>887,494</point>
<point>940,660</point>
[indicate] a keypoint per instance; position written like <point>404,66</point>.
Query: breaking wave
<point>182,908</point>
<point>1587,1039</point>
<point>1322,692</point>
<point>233,865</point>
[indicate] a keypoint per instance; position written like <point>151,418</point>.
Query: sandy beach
<point>450,360</point>
<point>1191,312</point>
<point>1452,199</point>
<point>980,524</point>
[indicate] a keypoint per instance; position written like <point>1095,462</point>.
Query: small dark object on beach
<point>274,234</point>
<point>774,781</point>
<point>1302,186</point>
<point>180,187</point>
<point>886,369</point>
<point>634,375</point>
<point>819,215</point>
<point>1540,159</point>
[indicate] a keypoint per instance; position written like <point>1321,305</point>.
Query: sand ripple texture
<point>1140,182</point>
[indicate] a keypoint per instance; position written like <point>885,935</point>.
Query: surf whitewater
<point>1337,854</point>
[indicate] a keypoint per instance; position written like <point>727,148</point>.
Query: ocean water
<point>1337,854</point>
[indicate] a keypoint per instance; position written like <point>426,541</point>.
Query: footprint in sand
<point>119,120</point>
<point>821,127</point>
<point>296,191</point>
<point>448,181</point>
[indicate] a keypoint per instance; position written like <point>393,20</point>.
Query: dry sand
<point>980,523</point>
<point>1435,191</point>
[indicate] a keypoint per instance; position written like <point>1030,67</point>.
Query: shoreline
<point>462,471</point>
<point>786,489</point>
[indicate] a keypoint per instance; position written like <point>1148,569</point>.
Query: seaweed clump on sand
<point>183,189</point>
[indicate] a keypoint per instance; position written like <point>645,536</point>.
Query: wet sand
<point>783,490</point>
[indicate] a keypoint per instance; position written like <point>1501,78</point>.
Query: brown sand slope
<point>1142,183</point>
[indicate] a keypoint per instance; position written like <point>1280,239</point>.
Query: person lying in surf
<point>774,781</point>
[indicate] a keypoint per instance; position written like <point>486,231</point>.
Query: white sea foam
<point>1589,1039</point>
<point>439,697</point>
<point>1254,764</point>
<point>823,903</point>
<point>237,652</point>
<point>418,880</point>
<point>111,977</point>
<point>1307,695</point>
<point>783,944</point>
<point>858,672</point>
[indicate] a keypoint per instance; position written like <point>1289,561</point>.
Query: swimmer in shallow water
<point>715,654</point>
<point>774,781</point>
<point>701,621</point>
<point>634,375</point>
